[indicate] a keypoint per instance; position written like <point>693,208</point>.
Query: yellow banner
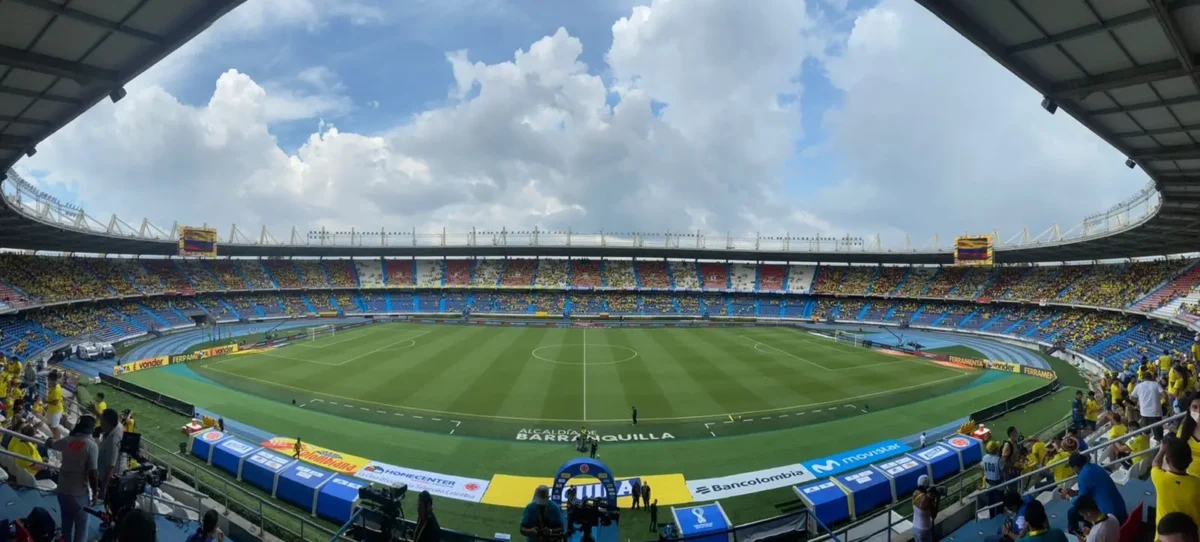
<point>139,365</point>
<point>163,361</point>
<point>324,457</point>
<point>517,491</point>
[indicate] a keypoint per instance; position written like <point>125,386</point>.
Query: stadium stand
<point>743,277</point>
<point>454,301</point>
<point>399,273</point>
<point>487,273</point>
<point>618,274</point>
<point>296,305</point>
<point>282,272</point>
<point>340,273</point>
<point>888,280</point>
<point>167,273</point>
<point>715,276</point>
<point>429,273</point>
<point>714,305</point>
<point>347,303</point>
<point>945,281</point>
<point>1054,287</point>
<point>687,305</point>
<point>587,304</point>
<point>771,277</point>
<point>373,302</point>
<point>622,303</point>
<point>458,272</point>
<point>916,282</point>
<point>402,301</point>
<point>256,275</point>
<point>227,274</point>
<point>684,275</point>
<point>743,305</point>
<point>970,283</point>
<point>320,302</point>
<point>770,306</point>
<point>551,273</point>
<point>550,302</point>
<point>954,315</point>
<point>800,278</point>
<point>1167,299</point>
<point>653,275</point>
<point>200,278</point>
<point>586,273</point>
<point>370,272</point>
<point>1003,279</point>
<point>311,274</point>
<point>519,273</point>
<point>214,306</point>
<point>825,308</point>
<point>110,275</point>
<point>50,279</point>
<point>829,279</point>
<point>850,309</point>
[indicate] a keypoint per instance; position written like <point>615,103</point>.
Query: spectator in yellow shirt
<point>1164,361</point>
<point>29,449</point>
<point>127,421</point>
<point>54,402</point>
<point>1189,432</point>
<point>1177,490</point>
<point>1091,411</point>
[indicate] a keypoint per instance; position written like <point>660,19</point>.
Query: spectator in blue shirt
<point>1094,482</point>
<point>542,520</point>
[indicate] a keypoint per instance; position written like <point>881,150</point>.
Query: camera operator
<point>76,476</point>
<point>428,529</point>
<point>926,501</point>
<point>542,520</point>
<point>138,526</point>
<point>110,448</point>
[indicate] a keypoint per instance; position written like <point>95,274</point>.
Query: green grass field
<point>392,392</point>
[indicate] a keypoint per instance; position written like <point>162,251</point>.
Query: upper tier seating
<point>945,281</point>
<point>370,272</point>
<point>742,277</point>
<point>311,274</point>
<point>110,275</point>
<point>715,276</point>
<point>1177,287</point>
<point>684,274</point>
<point>917,281</point>
<point>429,273</point>
<point>519,273</point>
<point>971,283</point>
<point>619,274</point>
<point>341,273</point>
<point>586,273</point>
<point>283,272</point>
<point>550,273</point>
<point>800,278</point>
<point>487,273</point>
<point>168,273</point>
<point>256,274</point>
<point>227,273</point>
<point>200,277</point>
<point>888,280</point>
<point>771,277</point>
<point>856,280</point>
<point>829,279</point>
<point>458,272</point>
<point>399,273</point>
<point>1003,279</point>
<point>653,275</point>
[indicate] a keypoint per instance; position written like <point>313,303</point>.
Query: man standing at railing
<point>76,477</point>
<point>54,402</point>
<point>1148,395</point>
<point>110,447</point>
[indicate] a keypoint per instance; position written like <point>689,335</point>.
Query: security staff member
<point>634,415</point>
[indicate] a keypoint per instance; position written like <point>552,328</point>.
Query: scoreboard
<point>974,250</point>
<point>197,242</point>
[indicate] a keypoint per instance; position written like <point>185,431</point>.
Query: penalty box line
<point>786,353</point>
<point>325,363</point>
<point>354,335</point>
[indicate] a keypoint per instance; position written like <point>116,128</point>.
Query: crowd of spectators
<point>226,271</point>
<point>550,302</point>
<point>688,304</point>
<point>199,277</point>
<point>520,273</point>
<point>851,308</point>
<point>621,303</point>
<point>770,277</point>
<point>294,305</point>
<point>283,272</point>
<point>955,313</point>
<point>168,274</point>
<point>399,272</point>
<point>714,305</point>
<point>715,276</point>
<point>1119,285</point>
<point>971,283</point>
<point>888,280</point>
<point>429,273</point>
<point>945,281</point>
<point>551,273</point>
<point>311,274</point>
<point>458,272</point>
<point>829,279</point>
<point>587,304</point>
<point>1054,287</point>
<point>346,302</point>
<point>256,274</point>
<point>341,273</point>
<point>619,274</point>
<point>684,274</point>
<point>320,301</point>
<point>652,275</point>
<point>659,303</point>
<point>110,275</point>
<point>585,273</point>
<point>916,282</point>
<point>824,308</point>
<point>1026,286</point>
<point>49,279</point>
<point>513,303</point>
<point>1002,279</point>
<point>487,273</point>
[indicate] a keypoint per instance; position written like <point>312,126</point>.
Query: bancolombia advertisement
<point>767,479</point>
<point>442,485</point>
<point>748,482</point>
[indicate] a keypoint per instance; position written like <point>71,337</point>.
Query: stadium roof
<point>1126,69</point>
<point>60,58</point>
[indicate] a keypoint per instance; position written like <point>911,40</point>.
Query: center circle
<point>548,353</point>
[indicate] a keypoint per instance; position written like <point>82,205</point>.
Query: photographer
<point>542,521</point>
<point>428,529</point>
<point>926,500</point>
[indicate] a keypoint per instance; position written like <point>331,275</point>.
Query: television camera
<point>121,495</point>
<point>383,505</point>
<point>588,514</point>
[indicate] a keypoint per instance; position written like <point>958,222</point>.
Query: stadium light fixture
<point>117,94</point>
<point>1129,163</point>
<point>1049,104</point>
<point>30,152</point>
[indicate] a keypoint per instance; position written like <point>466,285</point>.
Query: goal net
<point>317,332</point>
<point>848,338</point>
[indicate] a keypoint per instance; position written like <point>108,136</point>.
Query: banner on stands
<point>856,458</point>
<point>748,482</point>
<point>517,491</point>
<point>311,453</point>
<point>442,485</point>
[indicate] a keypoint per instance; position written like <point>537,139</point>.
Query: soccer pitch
<point>545,383</point>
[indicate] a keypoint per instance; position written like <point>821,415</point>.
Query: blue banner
<point>696,521</point>
<point>839,463</point>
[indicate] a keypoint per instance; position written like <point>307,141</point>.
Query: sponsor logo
<point>596,490</point>
<point>862,477</point>
<point>212,436</point>
<point>1040,373</point>
<point>324,457</point>
<point>237,447</point>
<point>818,487</point>
<point>898,466</point>
<point>339,481</point>
<point>268,460</point>
<point>852,459</point>
<point>929,454</point>
<point>515,491</point>
<point>959,442</point>
<point>750,482</point>
<point>443,485</point>
<point>569,435</point>
<point>308,474</point>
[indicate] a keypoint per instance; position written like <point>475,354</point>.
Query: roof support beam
<point>23,120</point>
<point>88,18</point>
<point>1103,26</point>
<point>1181,152</point>
<point>15,140</point>
<point>1162,12</point>
<point>1182,100</point>
<point>1159,131</point>
<point>35,62</point>
<point>1158,71</point>
<point>39,96</point>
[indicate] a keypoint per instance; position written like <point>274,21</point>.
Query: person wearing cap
<point>542,520</point>
<point>1095,483</point>
<point>925,509</point>
<point>77,476</point>
<point>428,529</point>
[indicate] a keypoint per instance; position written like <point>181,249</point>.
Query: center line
<point>585,374</point>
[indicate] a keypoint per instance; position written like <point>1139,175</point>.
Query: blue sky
<point>774,116</point>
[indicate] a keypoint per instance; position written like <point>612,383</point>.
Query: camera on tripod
<point>121,495</point>
<point>384,505</point>
<point>589,514</point>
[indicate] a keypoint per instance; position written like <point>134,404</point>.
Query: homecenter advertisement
<point>767,479</point>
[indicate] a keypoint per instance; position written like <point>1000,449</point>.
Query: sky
<point>726,117</point>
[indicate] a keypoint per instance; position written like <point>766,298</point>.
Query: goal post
<point>848,338</point>
<point>317,332</point>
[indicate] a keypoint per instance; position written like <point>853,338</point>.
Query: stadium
<point>755,379</point>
